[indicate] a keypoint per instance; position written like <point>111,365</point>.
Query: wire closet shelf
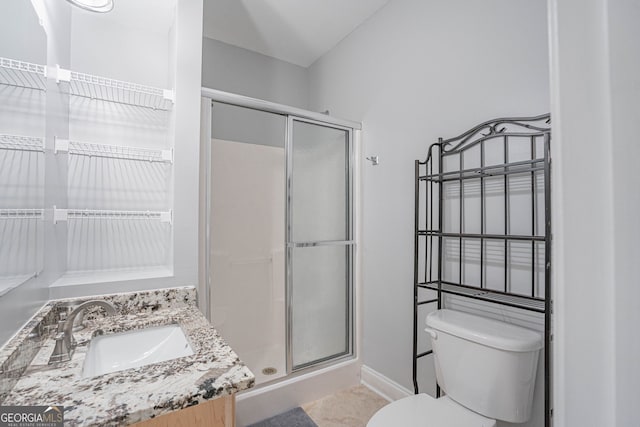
<point>34,76</point>
<point>22,74</point>
<point>117,91</point>
<point>90,149</point>
<point>487,159</point>
<point>21,143</point>
<point>61,215</point>
<point>21,214</point>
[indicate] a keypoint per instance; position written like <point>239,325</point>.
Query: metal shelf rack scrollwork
<point>496,152</point>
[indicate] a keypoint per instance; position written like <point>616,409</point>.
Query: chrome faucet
<point>65,342</point>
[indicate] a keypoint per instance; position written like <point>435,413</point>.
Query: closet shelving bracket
<point>60,145</point>
<point>169,95</point>
<point>61,75</point>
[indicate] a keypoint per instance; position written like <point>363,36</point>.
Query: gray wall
<point>595,96</point>
<point>625,96</point>
<point>232,123</point>
<point>233,69</point>
<point>413,72</point>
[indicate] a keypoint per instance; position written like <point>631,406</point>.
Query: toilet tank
<point>485,365</point>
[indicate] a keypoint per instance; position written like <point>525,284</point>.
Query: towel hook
<point>375,160</point>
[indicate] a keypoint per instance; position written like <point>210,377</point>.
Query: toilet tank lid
<point>488,332</point>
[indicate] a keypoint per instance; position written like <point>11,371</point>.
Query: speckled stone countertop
<point>129,396</point>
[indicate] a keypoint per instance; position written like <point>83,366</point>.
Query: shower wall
<point>248,258</point>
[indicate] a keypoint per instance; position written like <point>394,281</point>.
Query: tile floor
<point>348,408</point>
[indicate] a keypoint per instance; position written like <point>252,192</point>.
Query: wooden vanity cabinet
<point>218,412</point>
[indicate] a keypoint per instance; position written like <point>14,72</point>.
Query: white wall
<point>107,45</point>
<point>101,44</point>
<point>247,257</point>
<point>413,72</point>
<point>595,95</point>
<point>166,54</point>
<point>178,66</point>
<point>233,69</point>
<point>21,303</point>
<point>22,112</point>
<point>188,67</point>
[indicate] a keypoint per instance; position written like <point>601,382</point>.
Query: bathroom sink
<point>132,349</point>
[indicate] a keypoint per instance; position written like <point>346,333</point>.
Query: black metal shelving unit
<point>445,171</point>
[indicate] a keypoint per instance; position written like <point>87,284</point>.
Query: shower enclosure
<point>278,233</point>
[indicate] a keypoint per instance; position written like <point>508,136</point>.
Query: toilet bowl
<point>422,410</point>
<point>487,369</point>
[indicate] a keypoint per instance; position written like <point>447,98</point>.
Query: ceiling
<point>296,31</point>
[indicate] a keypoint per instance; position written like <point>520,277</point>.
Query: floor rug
<point>296,417</point>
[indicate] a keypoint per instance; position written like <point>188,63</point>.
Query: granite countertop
<point>132,395</point>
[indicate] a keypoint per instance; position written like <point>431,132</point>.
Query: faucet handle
<point>61,351</point>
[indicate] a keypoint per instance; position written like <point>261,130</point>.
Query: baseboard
<point>382,385</point>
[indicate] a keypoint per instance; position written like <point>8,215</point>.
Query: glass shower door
<point>319,243</point>
<point>247,229</point>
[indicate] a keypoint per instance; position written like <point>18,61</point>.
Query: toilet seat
<point>422,410</point>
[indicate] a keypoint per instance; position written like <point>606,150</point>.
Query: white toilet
<point>486,368</point>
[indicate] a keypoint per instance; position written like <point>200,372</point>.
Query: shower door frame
<point>349,243</point>
<point>291,114</point>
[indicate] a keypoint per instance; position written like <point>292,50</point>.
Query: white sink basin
<point>132,349</point>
